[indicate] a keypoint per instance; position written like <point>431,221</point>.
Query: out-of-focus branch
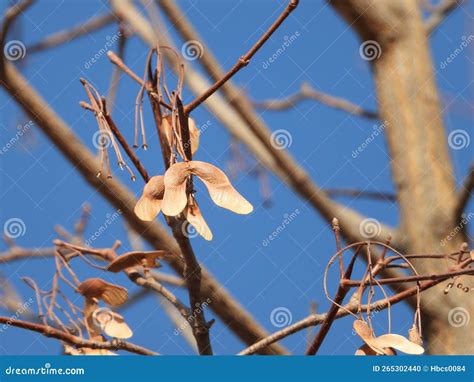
<point>9,18</point>
<point>245,124</point>
<point>308,93</point>
<point>465,193</point>
<point>68,35</point>
<point>439,14</point>
<point>78,342</point>
<point>348,192</point>
<point>225,306</point>
<point>351,307</point>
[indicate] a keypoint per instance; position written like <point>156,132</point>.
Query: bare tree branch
<point>78,342</point>
<point>307,92</point>
<point>66,36</point>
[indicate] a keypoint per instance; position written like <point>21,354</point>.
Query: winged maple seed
<point>132,259</point>
<point>168,193</point>
<point>95,288</point>
<point>111,323</point>
<point>167,125</point>
<point>384,344</point>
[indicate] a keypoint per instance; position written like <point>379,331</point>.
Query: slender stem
<point>49,331</point>
<point>245,59</point>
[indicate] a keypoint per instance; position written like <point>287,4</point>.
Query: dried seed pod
<point>149,205</point>
<point>95,288</point>
<point>133,259</point>
<point>194,217</point>
<point>414,335</point>
<point>398,342</point>
<point>194,134</point>
<point>363,330</point>
<point>220,189</point>
<point>111,323</point>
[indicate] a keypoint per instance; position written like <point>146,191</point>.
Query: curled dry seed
<point>220,189</point>
<point>414,335</point>
<point>132,259</point>
<point>112,323</point>
<point>95,288</point>
<point>170,137</point>
<point>149,204</point>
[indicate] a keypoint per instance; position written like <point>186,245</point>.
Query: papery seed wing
<point>115,295</point>
<point>117,327</point>
<point>175,199</point>
<point>365,350</point>
<point>147,209</point>
<point>167,129</point>
<point>193,135</point>
<point>400,343</point>
<point>87,351</point>
<point>220,189</point>
<point>195,218</point>
<point>363,330</point>
<point>149,204</point>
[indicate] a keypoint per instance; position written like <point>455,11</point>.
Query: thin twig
<point>245,59</point>
<point>77,342</point>
<point>308,93</point>
<point>66,36</point>
<point>439,14</point>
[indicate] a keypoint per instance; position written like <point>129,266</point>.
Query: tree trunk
<point>410,110</point>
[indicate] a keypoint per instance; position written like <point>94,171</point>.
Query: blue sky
<point>42,189</point>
